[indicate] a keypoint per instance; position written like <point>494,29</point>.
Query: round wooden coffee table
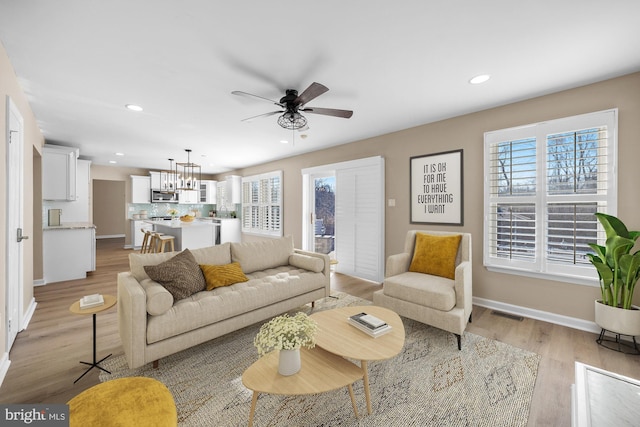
<point>320,372</point>
<point>337,336</point>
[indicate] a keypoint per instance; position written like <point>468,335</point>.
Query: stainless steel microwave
<point>162,197</point>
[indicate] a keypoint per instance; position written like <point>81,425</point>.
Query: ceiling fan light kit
<point>292,104</point>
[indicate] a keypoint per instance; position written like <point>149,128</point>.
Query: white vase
<point>618,320</point>
<point>289,362</point>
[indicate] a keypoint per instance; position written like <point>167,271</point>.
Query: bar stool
<point>162,240</point>
<point>146,242</point>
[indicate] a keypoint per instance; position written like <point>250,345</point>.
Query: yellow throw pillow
<point>435,255</point>
<point>223,275</point>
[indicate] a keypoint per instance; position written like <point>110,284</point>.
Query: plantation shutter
<point>360,219</point>
<point>262,204</point>
<point>543,185</point>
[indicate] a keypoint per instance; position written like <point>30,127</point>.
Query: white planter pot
<point>618,320</point>
<point>289,362</point>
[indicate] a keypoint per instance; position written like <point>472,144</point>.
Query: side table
<point>109,301</point>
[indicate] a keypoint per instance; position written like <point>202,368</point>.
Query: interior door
<point>14,258</point>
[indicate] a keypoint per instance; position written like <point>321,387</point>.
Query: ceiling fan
<point>293,104</point>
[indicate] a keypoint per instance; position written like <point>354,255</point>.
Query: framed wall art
<point>436,188</point>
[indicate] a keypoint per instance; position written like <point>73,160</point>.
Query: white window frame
<point>254,220</point>
<point>539,267</point>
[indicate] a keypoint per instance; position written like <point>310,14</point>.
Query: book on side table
<point>369,324</point>
<point>91,301</point>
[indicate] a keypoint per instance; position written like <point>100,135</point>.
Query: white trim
<point>29,314</point>
<point>4,367</point>
<point>39,282</point>
<point>110,236</point>
<point>545,316</point>
<point>367,161</point>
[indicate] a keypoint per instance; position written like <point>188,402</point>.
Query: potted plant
<point>619,271</point>
<point>287,334</point>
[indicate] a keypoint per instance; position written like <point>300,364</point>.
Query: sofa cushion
<point>262,254</point>
<point>307,262</point>
<point>159,299</point>
<point>180,275</point>
<point>219,254</point>
<point>435,255</point>
<point>425,290</point>
<point>222,275</point>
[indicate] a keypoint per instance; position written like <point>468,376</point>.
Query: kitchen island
<point>192,235</point>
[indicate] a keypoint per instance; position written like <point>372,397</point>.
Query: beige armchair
<point>442,302</point>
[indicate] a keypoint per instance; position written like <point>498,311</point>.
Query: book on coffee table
<point>369,324</point>
<point>91,301</point>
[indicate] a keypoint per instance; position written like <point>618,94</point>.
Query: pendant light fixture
<point>190,174</point>
<point>169,179</point>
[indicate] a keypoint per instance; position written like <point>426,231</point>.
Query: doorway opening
<point>324,215</point>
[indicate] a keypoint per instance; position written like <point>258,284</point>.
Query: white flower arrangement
<point>173,212</point>
<point>286,333</point>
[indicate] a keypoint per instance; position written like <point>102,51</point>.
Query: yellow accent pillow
<point>223,275</point>
<point>435,255</point>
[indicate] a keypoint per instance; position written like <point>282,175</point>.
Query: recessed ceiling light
<point>134,107</point>
<point>119,154</point>
<point>479,79</point>
<point>284,141</point>
<point>112,161</point>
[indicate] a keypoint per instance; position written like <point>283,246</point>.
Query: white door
<point>14,193</point>
<point>359,215</point>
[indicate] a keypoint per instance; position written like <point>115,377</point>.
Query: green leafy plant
<point>618,269</point>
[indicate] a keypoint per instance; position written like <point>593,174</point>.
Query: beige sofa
<point>153,326</point>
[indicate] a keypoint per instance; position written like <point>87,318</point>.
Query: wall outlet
<point>392,203</point>
<point>131,209</point>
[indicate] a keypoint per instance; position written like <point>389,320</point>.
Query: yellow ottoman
<point>135,401</point>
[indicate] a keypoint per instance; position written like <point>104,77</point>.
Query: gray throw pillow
<point>180,275</point>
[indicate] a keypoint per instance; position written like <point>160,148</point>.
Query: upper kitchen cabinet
<point>140,189</point>
<point>59,172</point>
<point>234,189</point>
<point>189,197</point>
<point>208,192</point>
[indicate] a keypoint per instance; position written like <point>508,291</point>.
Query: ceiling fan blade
<point>329,112</point>
<point>248,119</point>
<point>240,93</point>
<point>313,91</point>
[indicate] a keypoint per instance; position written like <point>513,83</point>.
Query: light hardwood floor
<point>45,357</point>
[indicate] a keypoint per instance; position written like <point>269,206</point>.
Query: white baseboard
<point>4,366</point>
<point>545,316</point>
<point>29,314</point>
<point>39,282</point>
<point>110,236</point>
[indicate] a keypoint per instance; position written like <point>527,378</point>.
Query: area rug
<point>430,383</point>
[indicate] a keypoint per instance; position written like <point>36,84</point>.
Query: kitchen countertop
<point>180,224</point>
<point>69,226</point>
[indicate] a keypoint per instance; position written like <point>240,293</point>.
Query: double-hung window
<point>262,204</point>
<point>543,184</point>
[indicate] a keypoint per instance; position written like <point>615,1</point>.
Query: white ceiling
<point>395,64</point>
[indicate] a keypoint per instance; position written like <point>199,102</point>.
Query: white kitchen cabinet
<point>230,230</point>
<point>156,180</point>
<point>208,192</point>
<point>59,172</point>
<point>69,251</point>
<point>234,189</point>
<point>140,189</point>
<point>136,232</point>
<point>189,197</point>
